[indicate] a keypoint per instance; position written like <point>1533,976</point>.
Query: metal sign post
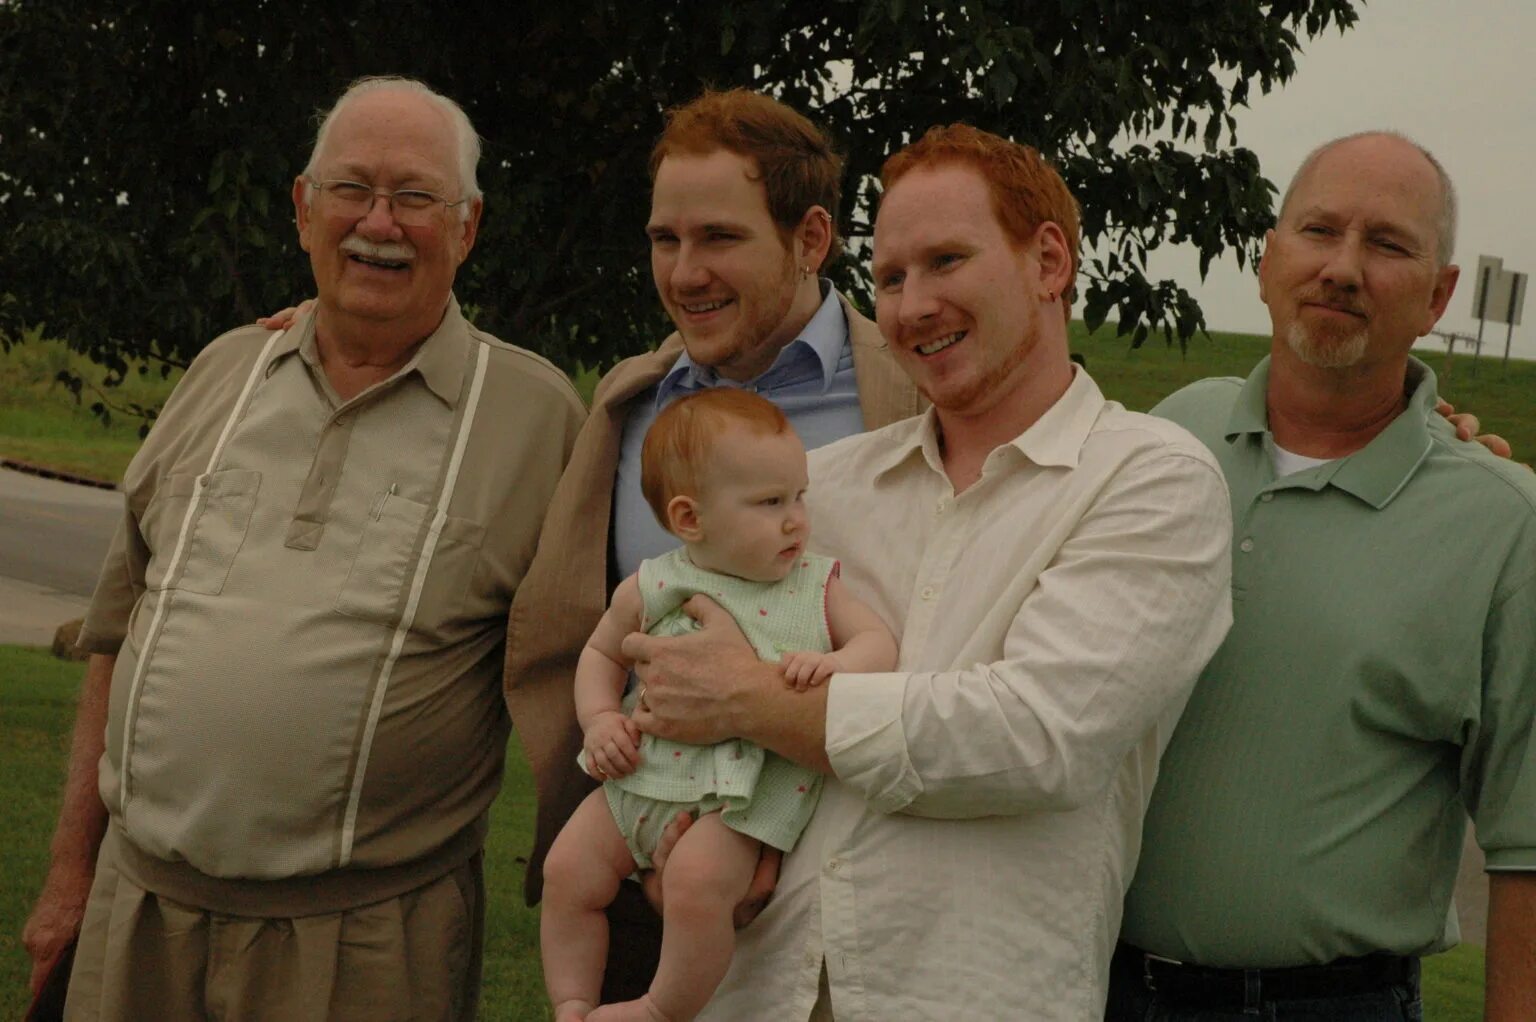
<point>1512,317</point>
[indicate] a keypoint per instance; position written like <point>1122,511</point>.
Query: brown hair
<point>795,159</point>
<point>680,440</point>
<point>1026,189</point>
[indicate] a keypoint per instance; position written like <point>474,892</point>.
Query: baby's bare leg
<point>581,876</point>
<point>706,875</point>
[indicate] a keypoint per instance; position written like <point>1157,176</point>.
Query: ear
<point>683,519</point>
<point>1440,297</point>
<point>813,238</point>
<point>302,214</point>
<point>471,228</point>
<point>1054,257</point>
<point>1269,239</point>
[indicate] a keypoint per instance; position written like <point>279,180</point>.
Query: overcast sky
<point>1461,79</point>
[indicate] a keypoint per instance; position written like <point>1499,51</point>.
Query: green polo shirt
<point>1377,686</point>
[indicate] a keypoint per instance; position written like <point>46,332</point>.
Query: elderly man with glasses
<point>292,727</point>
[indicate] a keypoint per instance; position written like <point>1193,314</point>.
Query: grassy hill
<point>1505,400</point>
<point>41,422</point>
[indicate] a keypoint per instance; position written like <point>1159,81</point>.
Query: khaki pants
<point>415,958</point>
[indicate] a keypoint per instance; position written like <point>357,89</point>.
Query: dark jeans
<point>1131,1001</point>
<point>634,945</point>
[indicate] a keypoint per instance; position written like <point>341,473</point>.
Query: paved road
<point>53,536</point>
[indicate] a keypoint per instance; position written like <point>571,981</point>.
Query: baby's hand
<point>612,744</point>
<point>807,670</point>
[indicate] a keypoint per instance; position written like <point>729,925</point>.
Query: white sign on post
<point>1498,294</point>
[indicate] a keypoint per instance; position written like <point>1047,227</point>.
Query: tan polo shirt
<point>307,599</point>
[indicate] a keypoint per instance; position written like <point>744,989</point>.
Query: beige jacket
<point>566,588</point>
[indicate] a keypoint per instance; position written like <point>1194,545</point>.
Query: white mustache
<point>393,251</point>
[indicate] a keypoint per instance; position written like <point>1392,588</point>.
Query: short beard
<point>1328,353</point>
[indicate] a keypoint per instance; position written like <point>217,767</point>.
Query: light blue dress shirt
<point>811,380</point>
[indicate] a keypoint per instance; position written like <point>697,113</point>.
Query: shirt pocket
<point>224,500</point>
<point>383,569</point>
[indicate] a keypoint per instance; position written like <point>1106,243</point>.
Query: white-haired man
<point>1379,680</point>
<point>294,698</point>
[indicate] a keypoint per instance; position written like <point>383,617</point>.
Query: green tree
<point>147,147</point>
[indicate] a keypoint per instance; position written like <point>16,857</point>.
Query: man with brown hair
<point>1057,570</point>
<point>743,219</point>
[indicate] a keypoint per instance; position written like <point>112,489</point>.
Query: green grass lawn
<point>42,423</point>
<point>37,695</point>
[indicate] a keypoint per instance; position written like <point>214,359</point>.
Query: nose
<point>795,519</point>
<point>689,273</point>
<point>915,302</point>
<point>1343,267</point>
<point>379,222</point>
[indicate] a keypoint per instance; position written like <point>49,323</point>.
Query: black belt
<point>1205,986</point>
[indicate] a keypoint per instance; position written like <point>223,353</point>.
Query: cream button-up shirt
<point>970,857</point>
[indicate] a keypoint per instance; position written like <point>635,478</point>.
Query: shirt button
<point>1246,546</point>
<point>811,958</point>
<point>941,507</point>
<point>1266,498</point>
<point>833,865</point>
<point>928,592</point>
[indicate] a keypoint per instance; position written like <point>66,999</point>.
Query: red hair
<point>679,442</point>
<point>1026,189</point>
<point>795,160</point>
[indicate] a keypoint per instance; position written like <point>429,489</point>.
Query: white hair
<point>1445,223</point>
<point>468,142</point>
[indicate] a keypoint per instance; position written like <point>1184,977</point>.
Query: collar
<point>821,343</point>
<point>439,360</point>
<point>1378,471</point>
<point>1054,440</point>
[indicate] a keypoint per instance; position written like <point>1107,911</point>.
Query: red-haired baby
<point>725,473</point>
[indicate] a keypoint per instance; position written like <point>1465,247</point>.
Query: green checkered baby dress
<point>759,793</point>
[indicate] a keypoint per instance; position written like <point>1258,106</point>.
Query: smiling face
<point>371,272</point>
<point>955,298</point>
<point>724,270</point>
<point>1349,272</point>
<point>748,518</point>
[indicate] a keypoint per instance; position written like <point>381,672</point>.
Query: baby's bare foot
<point>642,1010</point>
<point>572,1011</point>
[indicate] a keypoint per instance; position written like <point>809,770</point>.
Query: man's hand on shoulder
<point>285,318</point>
<point>1467,426</point>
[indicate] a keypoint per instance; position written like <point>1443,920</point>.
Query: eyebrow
<point>412,180</point>
<point>1389,228</point>
<point>656,227</point>
<point>928,249</point>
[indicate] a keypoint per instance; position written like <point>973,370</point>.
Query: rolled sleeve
<point>866,738</point>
